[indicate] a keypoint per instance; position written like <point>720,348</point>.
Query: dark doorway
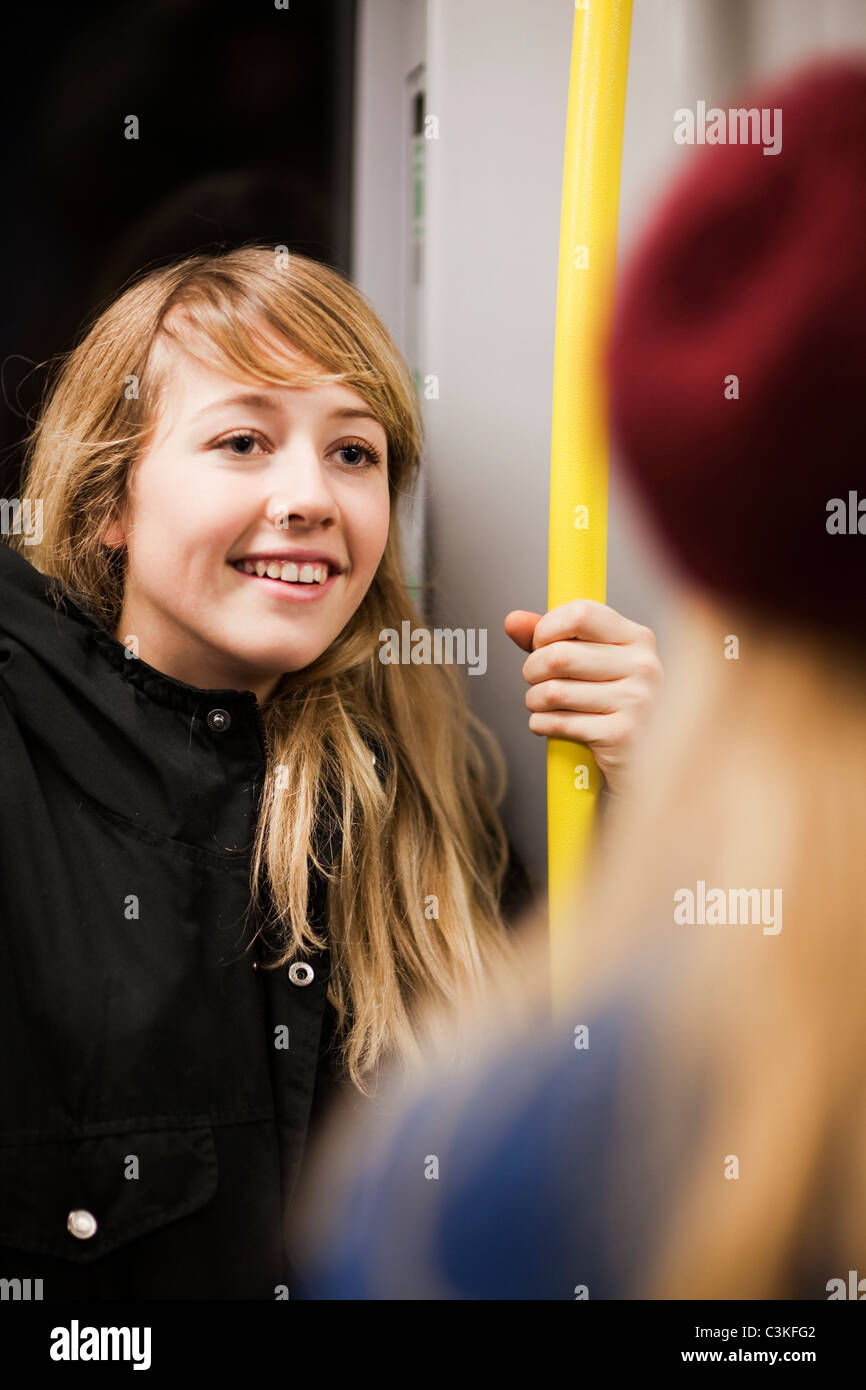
<point>244,133</point>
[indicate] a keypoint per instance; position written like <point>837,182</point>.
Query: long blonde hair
<point>415,878</point>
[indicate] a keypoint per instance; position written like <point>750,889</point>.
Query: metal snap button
<point>301,974</point>
<point>81,1224</point>
<point>219,720</point>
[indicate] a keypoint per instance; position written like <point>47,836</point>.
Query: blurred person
<point>690,1122</point>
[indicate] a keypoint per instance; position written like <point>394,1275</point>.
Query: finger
<point>590,661</point>
<point>569,697</point>
<point>520,625</point>
<point>595,730</point>
<point>587,621</point>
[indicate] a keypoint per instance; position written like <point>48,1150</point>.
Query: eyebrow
<point>255,399</point>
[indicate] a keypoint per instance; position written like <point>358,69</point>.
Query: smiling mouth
<point>306,575</point>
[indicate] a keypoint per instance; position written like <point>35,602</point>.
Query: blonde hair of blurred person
<point>753,780</point>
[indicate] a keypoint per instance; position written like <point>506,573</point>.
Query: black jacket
<point>152,1118</point>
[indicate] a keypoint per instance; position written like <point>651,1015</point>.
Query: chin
<point>270,666</point>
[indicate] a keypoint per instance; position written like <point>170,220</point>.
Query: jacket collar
<point>156,685</point>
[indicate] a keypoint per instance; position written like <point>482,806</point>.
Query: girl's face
<point>227,458</point>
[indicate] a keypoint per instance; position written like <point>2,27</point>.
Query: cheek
<point>370,528</point>
<point>182,530</point>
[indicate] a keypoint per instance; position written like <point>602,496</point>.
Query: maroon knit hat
<point>754,266</point>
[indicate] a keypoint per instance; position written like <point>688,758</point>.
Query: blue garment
<point>522,1197</point>
<point>557,1178</point>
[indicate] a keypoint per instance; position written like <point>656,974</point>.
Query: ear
<point>114,530</point>
<point>114,533</point>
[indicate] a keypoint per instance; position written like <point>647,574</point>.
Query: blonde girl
<point>261,853</point>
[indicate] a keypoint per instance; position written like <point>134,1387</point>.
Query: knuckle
<point>647,666</point>
<point>560,657</point>
<point>552,695</point>
<point>578,610</point>
<point>620,731</point>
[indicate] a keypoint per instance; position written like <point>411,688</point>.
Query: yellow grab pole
<point>579,454</point>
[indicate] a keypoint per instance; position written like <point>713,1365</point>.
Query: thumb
<point>520,626</point>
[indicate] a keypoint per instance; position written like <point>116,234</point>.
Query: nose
<point>299,494</point>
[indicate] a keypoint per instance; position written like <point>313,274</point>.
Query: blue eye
<point>240,435</point>
<point>373,455</point>
<point>356,446</point>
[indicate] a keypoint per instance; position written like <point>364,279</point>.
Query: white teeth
<point>308,574</point>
